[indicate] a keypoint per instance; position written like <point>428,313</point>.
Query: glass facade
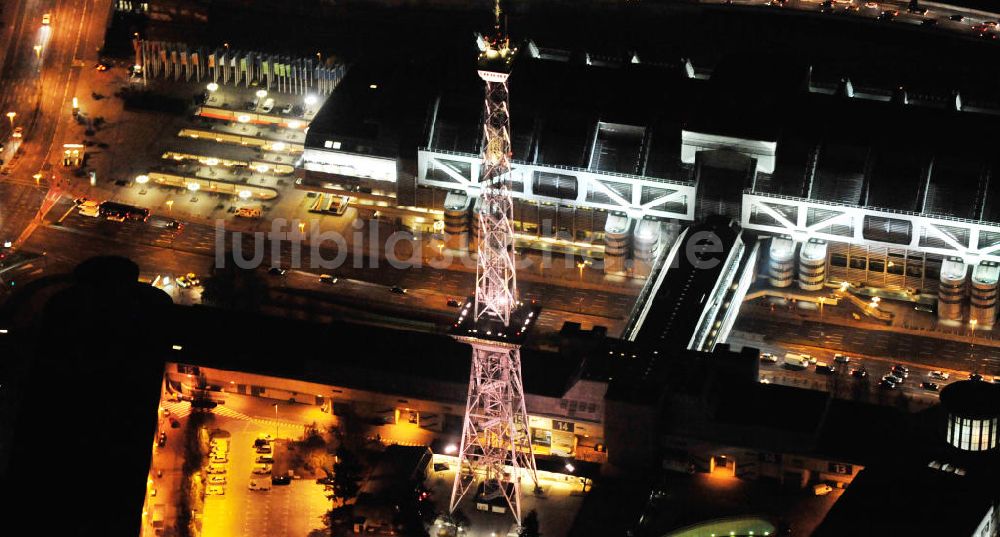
<point>971,434</point>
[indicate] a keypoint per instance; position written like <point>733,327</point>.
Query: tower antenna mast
<point>496,447</point>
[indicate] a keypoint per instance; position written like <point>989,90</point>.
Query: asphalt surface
<point>162,250</point>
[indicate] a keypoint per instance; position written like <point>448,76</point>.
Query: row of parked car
<point>217,466</point>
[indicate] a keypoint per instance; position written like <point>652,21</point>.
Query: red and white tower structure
<point>495,452</point>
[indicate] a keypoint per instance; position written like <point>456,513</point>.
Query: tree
<point>529,526</point>
<point>346,474</point>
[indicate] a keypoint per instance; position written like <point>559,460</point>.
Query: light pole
<point>212,88</point>
<point>972,345</point>
<point>275,421</point>
<point>11,116</point>
<point>260,95</point>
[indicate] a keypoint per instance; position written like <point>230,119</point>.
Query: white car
<point>89,208</point>
<point>822,489</point>
<point>215,490</point>
<point>769,358</point>
<point>938,375</point>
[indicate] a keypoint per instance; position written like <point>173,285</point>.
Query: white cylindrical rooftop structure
<point>983,293</point>
<point>616,243</point>
<point>781,261</point>
<point>812,265</point>
<point>951,289</point>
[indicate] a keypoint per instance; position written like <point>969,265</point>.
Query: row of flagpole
<point>224,66</point>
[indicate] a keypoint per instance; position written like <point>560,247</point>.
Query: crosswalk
<point>182,409</point>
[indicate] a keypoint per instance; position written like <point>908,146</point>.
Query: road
<point>159,249</point>
<point>40,70</point>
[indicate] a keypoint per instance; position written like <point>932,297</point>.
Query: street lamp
<point>11,116</point>
<point>278,146</point>
<point>310,100</point>
<point>194,187</point>
<point>972,344</point>
<point>275,421</point>
<point>245,194</point>
<point>170,205</point>
<point>212,87</point>
<point>260,95</point>
<point>142,179</point>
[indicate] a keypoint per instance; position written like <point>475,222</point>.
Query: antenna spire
<point>497,12</point>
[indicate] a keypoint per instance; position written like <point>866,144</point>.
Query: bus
<point>119,212</point>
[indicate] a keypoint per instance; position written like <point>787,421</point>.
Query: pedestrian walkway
<point>182,409</point>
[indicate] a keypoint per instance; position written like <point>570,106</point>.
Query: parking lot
<point>292,510</point>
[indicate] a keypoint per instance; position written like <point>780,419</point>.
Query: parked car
<point>892,378</point>
<point>215,490</point>
<point>281,480</point>
<point>887,384</point>
<point>216,479</point>
<point>162,439</point>
<point>901,371</point>
<point>822,489</point>
<point>261,468</point>
<point>287,109</point>
<point>265,459</point>
<point>768,358</point>
<point>215,468</point>
<point>938,375</point>
<point>841,358</point>
<point>929,386</point>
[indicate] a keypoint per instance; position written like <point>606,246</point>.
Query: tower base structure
<point>495,455</point>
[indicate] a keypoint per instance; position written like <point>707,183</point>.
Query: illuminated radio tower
<point>496,447</point>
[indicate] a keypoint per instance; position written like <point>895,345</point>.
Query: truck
<point>796,361</point>
<point>157,518</point>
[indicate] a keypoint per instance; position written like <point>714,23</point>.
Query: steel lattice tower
<point>496,445</point>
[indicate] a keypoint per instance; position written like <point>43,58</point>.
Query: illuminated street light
<point>294,124</point>
<point>11,116</point>
<point>302,227</point>
<point>243,118</point>
<point>193,187</point>
<point>38,51</point>
<point>569,467</point>
<point>310,100</point>
<point>142,179</point>
<point>262,168</point>
<point>278,146</point>
<point>170,205</point>
<point>213,87</point>
<point>261,94</point>
<point>245,194</point>
<point>212,162</point>
<point>450,448</point>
